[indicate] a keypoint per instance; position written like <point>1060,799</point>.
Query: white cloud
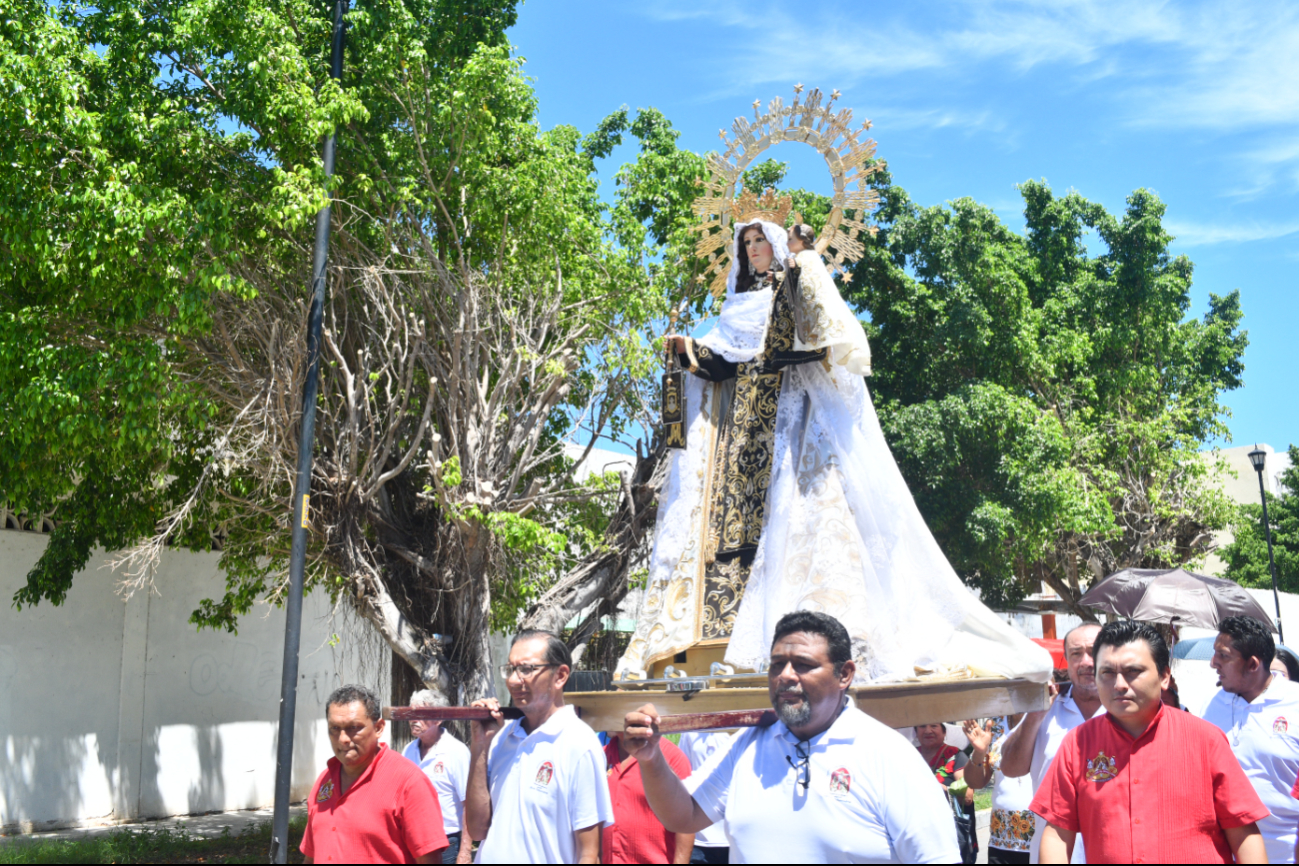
<point>1269,168</point>
<point>1208,234</point>
<point>1184,64</point>
<point>938,118</point>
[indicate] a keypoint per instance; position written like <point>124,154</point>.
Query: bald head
<point>1078,657</point>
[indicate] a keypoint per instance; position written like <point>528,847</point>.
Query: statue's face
<point>758,249</point>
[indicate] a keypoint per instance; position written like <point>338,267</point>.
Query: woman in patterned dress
<point>1010,832</point>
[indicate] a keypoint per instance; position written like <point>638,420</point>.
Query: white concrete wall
<point>114,711</point>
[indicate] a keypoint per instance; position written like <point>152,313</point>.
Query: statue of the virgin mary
<point>786,496</point>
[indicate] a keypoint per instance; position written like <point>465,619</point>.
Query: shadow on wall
<point>54,776</point>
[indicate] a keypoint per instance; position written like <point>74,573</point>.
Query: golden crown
<point>768,207</point>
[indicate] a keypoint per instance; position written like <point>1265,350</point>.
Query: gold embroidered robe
<point>745,398</point>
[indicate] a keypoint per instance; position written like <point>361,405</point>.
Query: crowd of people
<point>1114,771</point>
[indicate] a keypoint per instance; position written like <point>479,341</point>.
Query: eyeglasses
<point>804,767</point>
<point>525,672</point>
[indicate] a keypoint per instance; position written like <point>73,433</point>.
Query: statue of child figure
<point>801,239</point>
<point>819,311</point>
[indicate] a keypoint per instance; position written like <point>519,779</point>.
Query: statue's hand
<point>676,342</point>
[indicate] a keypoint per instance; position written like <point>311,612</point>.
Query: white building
<point>1239,481</point>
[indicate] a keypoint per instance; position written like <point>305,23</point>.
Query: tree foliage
<point>1046,403</point>
<point>1246,555</point>
<point>160,177</point>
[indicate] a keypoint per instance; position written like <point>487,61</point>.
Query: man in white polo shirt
<point>537,786</point>
<point>1259,713</point>
<point>1031,747</point>
<point>445,760</point>
<point>826,783</point>
<point>710,842</point>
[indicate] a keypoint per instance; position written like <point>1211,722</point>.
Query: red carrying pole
<point>676,723</point>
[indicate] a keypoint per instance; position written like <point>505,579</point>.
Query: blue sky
<point>1197,101</point>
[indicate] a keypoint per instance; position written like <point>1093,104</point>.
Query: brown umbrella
<point>1173,595</point>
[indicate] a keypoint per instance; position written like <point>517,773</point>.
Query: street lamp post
<point>302,486</point>
<point>1258,458</point>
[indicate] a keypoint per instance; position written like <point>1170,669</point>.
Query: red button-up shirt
<point>389,815</point>
<point>1165,797</point>
<point>636,835</point>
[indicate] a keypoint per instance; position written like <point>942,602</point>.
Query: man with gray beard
<point>824,784</point>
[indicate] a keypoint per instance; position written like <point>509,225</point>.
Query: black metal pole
<point>302,491</point>
<point>1267,530</point>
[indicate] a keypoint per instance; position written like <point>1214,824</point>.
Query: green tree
<point>159,177</point>
<point>1046,404</point>
<point>1246,555</point>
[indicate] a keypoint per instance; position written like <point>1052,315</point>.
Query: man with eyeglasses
<point>537,787</point>
<point>826,783</point>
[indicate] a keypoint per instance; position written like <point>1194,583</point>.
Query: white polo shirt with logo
<point>545,786</point>
<point>870,797</point>
<point>699,746</point>
<point>1264,736</point>
<point>1062,718</point>
<point>447,766</point>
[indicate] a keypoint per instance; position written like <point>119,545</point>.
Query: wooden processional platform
<point>897,705</point>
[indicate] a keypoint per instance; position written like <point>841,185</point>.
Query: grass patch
<point>983,799</point>
<point>154,846</point>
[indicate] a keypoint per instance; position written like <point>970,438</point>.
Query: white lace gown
<point>841,534</point>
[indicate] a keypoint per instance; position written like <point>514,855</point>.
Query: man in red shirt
<point>637,835</point>
<point>1143,783</point>
<point>370,805</point>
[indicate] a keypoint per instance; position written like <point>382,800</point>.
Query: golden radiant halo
<point>816,125</point>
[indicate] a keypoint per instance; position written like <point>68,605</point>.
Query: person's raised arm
<point>1057,844</point>
<point>676,810</point>
<point>478,797</point>
<point>1017,748</point>
<point>978,773</point>
<point>1246,843</point>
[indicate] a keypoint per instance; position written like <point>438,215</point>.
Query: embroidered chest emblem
<point>1280,726</point>
<point>439,769</point>
<point>840,783</point>
<point>326,791</point>
<point>545,773</point>
<point>1101,768</point>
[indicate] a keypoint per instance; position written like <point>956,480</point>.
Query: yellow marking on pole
<point>306,505</point>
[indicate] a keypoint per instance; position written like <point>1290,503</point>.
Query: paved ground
<point>200,826</point>
<point>212,826</point>
<point>983,818</point>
